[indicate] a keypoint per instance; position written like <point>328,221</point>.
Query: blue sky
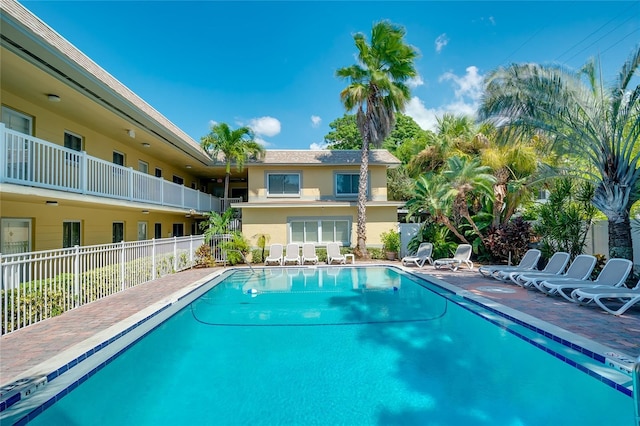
<point>271,65</point>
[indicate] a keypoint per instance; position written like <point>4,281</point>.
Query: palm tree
<point>463,177</point>
<point>577,112</point>
<point>235,145</point>
<point>377,90</point>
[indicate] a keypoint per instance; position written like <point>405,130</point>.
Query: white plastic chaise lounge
<point>627,296</point>
<point>275,254</point>
<point>292,254</point>
<point>462,255</point>
<point>422,256</point>
<point>614,274</point>
<point>309,254</point>
<point>579,269</point>
<point>528,262</point>
<point>334,255</point>
<point>554,266</point>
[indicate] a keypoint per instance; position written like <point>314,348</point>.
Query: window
<point>142,231</point>
<point>72,141</point>
<point>17,121</point>
<point>283,184</point>
<point>158,172</point>
<point>178,229</point>
<point>70,234</point>
<point>118,232</point>
<point>320,231</point>
<point>178,180</point>
<point>347,184</point>
<point>157,230</point>
<point>143,166</point>
<point>15,236</point>
<point>118,158</point>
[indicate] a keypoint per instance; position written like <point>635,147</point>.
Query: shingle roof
<point>325,157</point>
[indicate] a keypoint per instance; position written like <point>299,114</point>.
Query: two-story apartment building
<point>84,160</point>
<point>311,196</point>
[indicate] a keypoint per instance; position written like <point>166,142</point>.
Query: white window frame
<point>319,221</point>
<point>8,113</point>
<point>283,195</point>
<point>74,135</point>
<point>143,167</point>
<point>124,158</point>
<point>143,228</point>
<point>79,225</point>
<point>350,173</point>
<point>4,223</point>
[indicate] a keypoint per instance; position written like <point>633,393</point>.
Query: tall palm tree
<point>577,112</point>
<point>235,145</point>
<point>377,90</point>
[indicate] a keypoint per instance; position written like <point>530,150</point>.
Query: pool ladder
<point>636,389</point>
<point>243,258</point>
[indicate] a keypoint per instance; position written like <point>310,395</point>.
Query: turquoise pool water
<point>325,346</point>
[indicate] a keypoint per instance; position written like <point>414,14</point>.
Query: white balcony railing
<point>39,285</point>
<point>26,160</point>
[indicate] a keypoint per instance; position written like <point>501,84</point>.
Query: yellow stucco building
<point>84,161</point>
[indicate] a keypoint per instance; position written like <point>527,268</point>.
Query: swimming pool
<point>350,345</point>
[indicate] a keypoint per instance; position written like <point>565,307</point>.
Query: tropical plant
<point>565,219</point>
<point>579,115</point>
<point>261,241</point>
<point>509,241</point>
<point>216,223</point>
<point>390,241</point>
<point>436,234</point>
<point>235,145</point>
<point>377,90</point>
<point>235,249</point>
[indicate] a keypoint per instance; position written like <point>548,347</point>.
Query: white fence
<point>39,285</point>
<point>26,160</point>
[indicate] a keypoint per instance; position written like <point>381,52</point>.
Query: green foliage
<point>510,239</point>
<point>390,241</point>
<point>204,257</point>
<point>344,133</point>
<point>601,260</point>
<point>399,184</point>
<point>564,220</point>
<point>438,235</point>
<point>238,243</point>
<point>216,223</point>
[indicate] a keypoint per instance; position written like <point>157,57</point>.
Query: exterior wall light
<point>53,98</point>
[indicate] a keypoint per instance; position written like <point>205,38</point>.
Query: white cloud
<point>441,42</point>
<point>415,82</point>
<point>262,142</point>
<point>265,126</point>
<point>315,121</point>
<point>468,90</point>
<point>492,20</point>
<point>318,146</point>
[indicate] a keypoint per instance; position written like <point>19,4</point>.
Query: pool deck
<point>24,351</point>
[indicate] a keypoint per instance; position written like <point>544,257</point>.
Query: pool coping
<point>44,373</point>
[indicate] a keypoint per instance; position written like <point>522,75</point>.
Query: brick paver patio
<point>25,349</point>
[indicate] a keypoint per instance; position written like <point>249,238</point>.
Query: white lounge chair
<point>614,273</point>
<point>627,296</point>
<point>528,262</point>
<point>555,266</point>
<point>292,254</point>
<point>309,253</point>
<point>275,254</point>
<point>334,255</point>
<point>422,256</point>
<point>462,255</point>
<point>579,269</point>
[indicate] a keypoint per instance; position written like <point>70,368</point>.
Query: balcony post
<point>130,180</point>
<point>3,153</point>
<point>84,172</point>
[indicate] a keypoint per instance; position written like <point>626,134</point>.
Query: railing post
<point>175,254</point>
<point>122,268</point>
<point>76,275</point>
<point>84,172</point>
<point>130,180</point>
<point>153,259</point>
<point>3,153</point>
<point>636,389</point>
